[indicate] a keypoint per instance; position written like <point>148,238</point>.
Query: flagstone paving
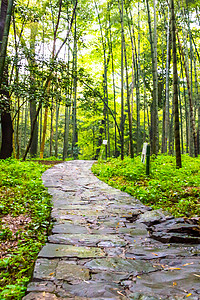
<point>101,245</point>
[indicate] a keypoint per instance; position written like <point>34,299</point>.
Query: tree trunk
<point>167,86</point>
<point>154,107</point>
<point>33,86</point>
<point>74,110</point>
<point>51,130</point>
<point>138,87</point>
<point>5,18</point>
<point>190,101</point>
<point>128,104</point>
<point>67,107</point>
<point>44,133</point>
<point>198,106</point>
<point>56,135</point>
<point>114,90</point>
<point>175,91</point>
<point>122,77</point>
<point>6,121</point>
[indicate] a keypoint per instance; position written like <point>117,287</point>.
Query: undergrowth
<point>25,215</point>
<point>175,190</point>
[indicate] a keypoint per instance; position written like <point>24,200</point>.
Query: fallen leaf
<point>172,268</point>
<point>120,293</point>
<point>154,254</point>
<point>188,264</point>
<point>188,295</point>
<point>51,273</point>
<point>174,283</point>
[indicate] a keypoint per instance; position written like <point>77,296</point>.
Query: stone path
<point>100,246</point>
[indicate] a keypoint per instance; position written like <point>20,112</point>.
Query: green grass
<point>24,204</point>
<point>175,190</point>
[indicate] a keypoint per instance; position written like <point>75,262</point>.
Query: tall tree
<point>6,121</point>
<point>175,90</point>
<point>154,106</point>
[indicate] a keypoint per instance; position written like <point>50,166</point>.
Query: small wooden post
<point>148,160</point>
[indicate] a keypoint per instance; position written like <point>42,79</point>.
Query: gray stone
<point>69,228</point>
<point>118,264</point>
<point>57,250</point>
<point>139,296</point>
<point>93,289</point>
<point>43,286</point>
<point>45,269</point>
<point>109,276</point>
<point>41,296</point>
<point>86,239</point>
<point>152,217</point>
<point>71,273</point>
<point>171,281</point>
<point>133,231</point>
<point>176,231</point>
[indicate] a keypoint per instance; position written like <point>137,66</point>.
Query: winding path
<point>100,246</point>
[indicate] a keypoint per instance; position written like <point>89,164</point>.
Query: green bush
<point>175,190</point>
<point>22,196</point>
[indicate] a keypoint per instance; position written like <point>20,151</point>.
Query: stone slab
<point>69,228</point>
<point>71,273</point>
<point>118,264</point>
<point>57,250</point>
<point>86,239</point>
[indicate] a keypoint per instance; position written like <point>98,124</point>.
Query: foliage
<point>175,190</point>
<point>25,214</point>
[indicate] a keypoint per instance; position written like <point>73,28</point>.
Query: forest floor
<point>106,244</point>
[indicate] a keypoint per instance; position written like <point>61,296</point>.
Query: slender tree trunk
<point>67,104</point>
<point>41,112</point>
<point>74,111</point>
<point>167,85</point>
<point>175,91</point>
<point>114,90</point>
<point>104,122</point>
<point>33,86</point>
<point>138,87</point>
<point>56,135</point>
<point>156,76</point>
<point>198,107</point>
<point>128,104</point>
<point>44,133</point>
<point>51,130</point>
<point>25,124</point>
<point>190,101</point>
<point>181,116</point>
<point>17,129</point>
<point>122,77</point>
<point>154,107</point>
<point>66,135</point>
<point>171,133</point>
<point>136,74</point>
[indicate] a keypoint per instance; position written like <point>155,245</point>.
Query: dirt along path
<point>100,246</point>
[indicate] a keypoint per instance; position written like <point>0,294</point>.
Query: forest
<point>76,73</point>
<point>94,80</point>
